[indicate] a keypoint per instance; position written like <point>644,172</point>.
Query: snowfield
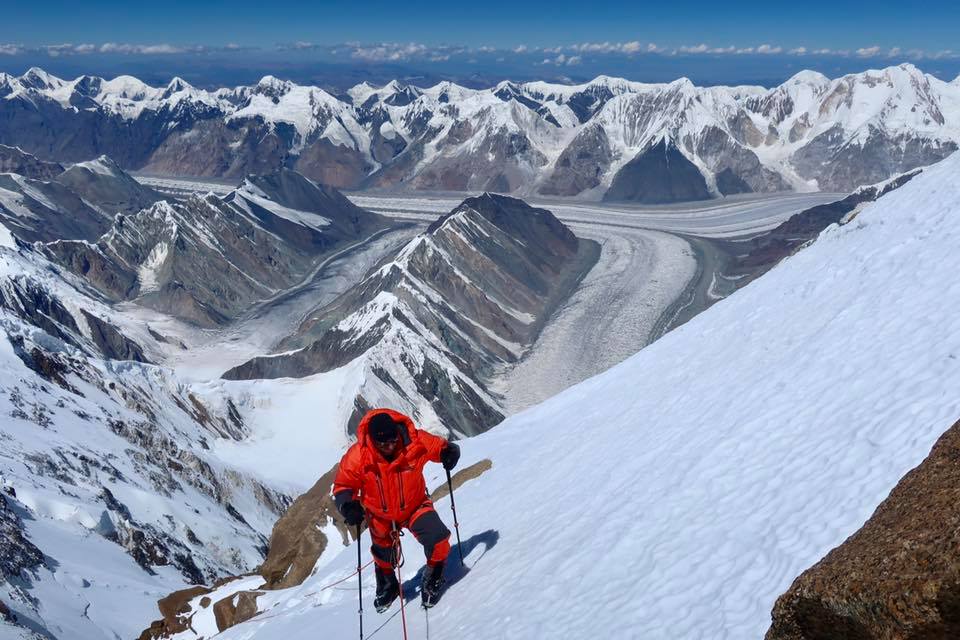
<point>678,493</point>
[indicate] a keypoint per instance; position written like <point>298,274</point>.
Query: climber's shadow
<point>454,572</point>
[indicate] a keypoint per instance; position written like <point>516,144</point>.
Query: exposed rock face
<point>661,174</point>
<point>175,611</point>
<point>235,609</point>
<point>898,577</point>
<point>298,540</point>
<point>18,555</point>
<point>207,259</point>
<point>581,166</point>
<point>14,160</point>
<point>874,159</point>
<point>433,324</point>
<point>520,138</point>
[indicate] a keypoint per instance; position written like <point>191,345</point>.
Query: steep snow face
<point>680,492</point>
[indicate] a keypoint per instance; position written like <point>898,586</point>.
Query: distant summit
<point>533,138</point>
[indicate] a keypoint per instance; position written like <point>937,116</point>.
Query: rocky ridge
<point>208,258</point>
<point>811,132</point>
<point>433,323</point>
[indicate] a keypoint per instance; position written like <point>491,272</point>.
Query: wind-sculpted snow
<point>534,138</point>
<point>678,493</point>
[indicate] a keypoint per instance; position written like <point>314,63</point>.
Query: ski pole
<point>456,525</point>
<point>359,582</point>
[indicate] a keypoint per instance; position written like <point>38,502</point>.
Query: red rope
<point>398,557</point>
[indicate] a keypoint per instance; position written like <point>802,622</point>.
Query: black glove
<point>450,456</point>
<point>352,513</point>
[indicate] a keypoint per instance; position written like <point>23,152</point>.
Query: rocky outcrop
<point>298,540</point>
<point>176,614</point>
<point>659,175</point>
<point>898,577</point>
<point>236,608</point>
<point>582,164</point>
<point>41,210</point>
<point>18,555</point>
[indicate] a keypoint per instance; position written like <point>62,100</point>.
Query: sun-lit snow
<point>677,494</point>
<point>771,124</point>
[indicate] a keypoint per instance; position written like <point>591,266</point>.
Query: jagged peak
<point>37,78</point>
<point>177,84</point>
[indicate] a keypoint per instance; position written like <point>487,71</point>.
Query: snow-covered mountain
<point>428,328</point>
<point>110,491</point>
<point>533,138</point>
<point>208,258</point>
<point>46,202</point>
<point>678,493</point>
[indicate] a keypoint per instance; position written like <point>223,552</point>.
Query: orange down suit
<point>394,491</point>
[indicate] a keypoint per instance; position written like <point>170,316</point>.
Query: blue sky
<point>930,25</point>
<point>222,42</point>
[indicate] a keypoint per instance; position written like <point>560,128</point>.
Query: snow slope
<point>677,494</point>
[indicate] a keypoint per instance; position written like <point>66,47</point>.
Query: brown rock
<point>297,539</point>
<point>205,601</point>
<point>898,577</point>
<point>236,608</point>
<point>460,477</point>
<point>175,609</point>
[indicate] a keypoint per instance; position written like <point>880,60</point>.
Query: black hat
<point>383,428</point>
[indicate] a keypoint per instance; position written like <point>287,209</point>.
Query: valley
<point>658,265</point>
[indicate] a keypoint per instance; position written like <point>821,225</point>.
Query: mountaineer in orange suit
<point>381,477</point>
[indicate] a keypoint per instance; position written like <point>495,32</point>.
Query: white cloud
<point>868,52</point>
<point>799,51</point>
<point>520,49</point>
<point>700,48</point>
<point>767,49</point>
<point>573,60</point>
<point>389,52</point>
<point>627,48</point>
<point>11,49</point>
<point>894,52</point>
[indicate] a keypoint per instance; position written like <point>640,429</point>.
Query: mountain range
<point>599,140</point>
